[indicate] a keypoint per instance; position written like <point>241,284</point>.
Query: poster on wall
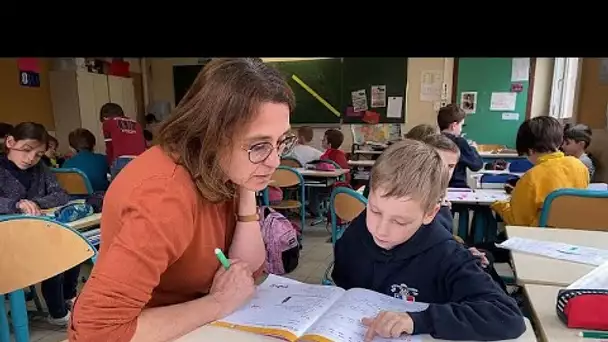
<point>431,82</point>
<point>29,72</point>
<point>359,99</point>
<point>502,101</point>
<point>468,102</point>
<point>520,69</point>
<point>378,96</point>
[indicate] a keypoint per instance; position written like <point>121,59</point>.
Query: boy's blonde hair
<point>413,169</point>
<point>442,143</point>
<point>421,131</point>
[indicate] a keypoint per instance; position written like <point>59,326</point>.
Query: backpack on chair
<point>281,241</point>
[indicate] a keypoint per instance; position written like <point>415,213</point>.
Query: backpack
<point>281,241</point>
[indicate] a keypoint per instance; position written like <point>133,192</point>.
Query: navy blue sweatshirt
<point>469,158</point>
<point>431,267</point>
<point>445,218</point>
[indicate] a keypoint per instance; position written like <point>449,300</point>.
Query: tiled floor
<point>315,257</point>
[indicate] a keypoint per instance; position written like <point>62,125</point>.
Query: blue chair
<point>345,204</point>
<point>73,181</point>
<point>520,165</point>
<point>575,209</point>
<point>28,258</point>
<point>288,177</point>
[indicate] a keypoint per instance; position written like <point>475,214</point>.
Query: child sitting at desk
<point>27,187</point>
<point>576,140</point>
<point>303,152</point>
<point>539,139</point>
<point>93,165</point>
<point>450,120</point>
<point>396,247</point>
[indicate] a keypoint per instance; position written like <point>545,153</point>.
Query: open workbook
<point>295,311</point>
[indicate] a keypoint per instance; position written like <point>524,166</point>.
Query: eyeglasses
<point>259,152</point>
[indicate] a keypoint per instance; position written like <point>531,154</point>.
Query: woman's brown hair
<point>223,99</point>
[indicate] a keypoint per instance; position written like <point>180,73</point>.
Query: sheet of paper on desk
<point>594,280</point>
<point>557,250</point>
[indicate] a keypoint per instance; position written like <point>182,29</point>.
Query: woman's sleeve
<point>54,195</point>
<point>157,224</point>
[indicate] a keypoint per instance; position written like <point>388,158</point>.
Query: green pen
<point>222,258</point>
<point>593,334</point>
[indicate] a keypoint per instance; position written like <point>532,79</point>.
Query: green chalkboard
<point>486,76</point>
<point>324,77</point>
<point>364,72</point>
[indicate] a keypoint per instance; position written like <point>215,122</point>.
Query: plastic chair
<point>345,204</point>
<point>520,165</point>
<point>34,249</point>
<point>290,162</point>
<point>286,177</point>
<point>73,181</point>
<point>575,209</point>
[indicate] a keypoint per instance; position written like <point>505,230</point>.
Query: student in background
<point>332,140</point>
<point>28,186</point>
<point>5,129</point>
<point>540,139</point>
<point>92,164</point>
<point>576,140</point>
<point>396,247</point>
<point>450,120</point>
<point>303,152</point>
<point>421,131</point>
<point>123,136</point>
<point>51,157</point>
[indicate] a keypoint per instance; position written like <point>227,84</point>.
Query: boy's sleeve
<point>469,155</point>
<point>477,309</point>
<point>54,196</point>
<point>523,208</point>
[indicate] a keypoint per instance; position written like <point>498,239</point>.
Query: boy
<point>450,120</point>
<point>92,164</point>
<point>51,157</point>
<point>396,247</point>
<point>539,139</point>
<point>576,141</point>
<point>303,152</point>
<point>123,136</point>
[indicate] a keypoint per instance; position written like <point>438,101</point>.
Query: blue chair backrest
<point>520,165</point>
<point>575,209</point>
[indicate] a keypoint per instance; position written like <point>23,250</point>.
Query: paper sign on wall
<point>503,101</point>
<point>430,85</point>
<point>468,102</point>
<point>378,96</point>
<point>395,104</point>
<point>520,69</point>
<point>359,99</point>
<point>510,116</point>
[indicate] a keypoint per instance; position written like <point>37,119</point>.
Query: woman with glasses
<point>28,186</point>
<point>157,276</point>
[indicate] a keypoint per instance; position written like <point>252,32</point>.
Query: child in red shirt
<point>123,136</point>
<point>332,140</point>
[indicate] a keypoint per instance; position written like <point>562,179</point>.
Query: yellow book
<point>295,311</point>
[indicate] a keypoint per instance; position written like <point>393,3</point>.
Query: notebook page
<point>594,280</point>
<point>284,304</point>
<point>557,250</point>
<point>342,322</point>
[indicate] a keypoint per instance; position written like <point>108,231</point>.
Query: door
<point>485,76</point>
<point>122,92</point>
<point>92,95</point>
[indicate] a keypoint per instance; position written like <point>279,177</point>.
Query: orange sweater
<point>158,238</point>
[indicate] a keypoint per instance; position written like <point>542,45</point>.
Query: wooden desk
<point>477,196</point>
<point>215,334</point>
<point>363,163</point>
<point>86,223</point>
<point>542,299</point>
<point>535,269</point>
<point>325,174</point>
<point>368,152</point>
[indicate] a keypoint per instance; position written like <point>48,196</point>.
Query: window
<point>565,75</point>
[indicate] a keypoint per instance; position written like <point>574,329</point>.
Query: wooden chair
<point>287,177</point>
<point>490,147</point>
<point>34,249</point>
<point>345,204</point>
<point>291,162</point>
<point>575,209</point>
<point>73,181</point>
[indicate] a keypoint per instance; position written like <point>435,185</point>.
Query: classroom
<point>303,199</point>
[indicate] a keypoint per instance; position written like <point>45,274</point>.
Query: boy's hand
<point>388,324</point>
<point>476,253</point>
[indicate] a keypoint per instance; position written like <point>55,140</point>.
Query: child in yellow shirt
<point>539,139</point>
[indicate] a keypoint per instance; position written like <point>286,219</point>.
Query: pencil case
<point>583,309</point>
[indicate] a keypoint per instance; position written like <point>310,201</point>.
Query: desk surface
<point>535,269</point>
<point>368,163</point>
<point>327,174</point>
<point>368,152</point>
<point>542,299</point>
<point>500,155</point>
<point>215,334</point>
<point>477,196</point>
<point>86,222</point>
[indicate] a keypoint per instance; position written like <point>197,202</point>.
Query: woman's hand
<point>233,287</point>
<point>28,207</point>
<point>388,324</point>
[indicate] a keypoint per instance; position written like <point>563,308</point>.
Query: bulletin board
<point>363,73</point>
<point>494,92</point>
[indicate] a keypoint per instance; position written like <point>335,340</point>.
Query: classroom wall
<point>160,86</point>
<point>543,80</point>
<point>592,103</point>
<point>17,103</point>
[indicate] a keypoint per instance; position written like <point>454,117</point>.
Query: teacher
<point>157,277</point>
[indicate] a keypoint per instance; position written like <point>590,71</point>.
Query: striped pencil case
<point>583,308</point>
